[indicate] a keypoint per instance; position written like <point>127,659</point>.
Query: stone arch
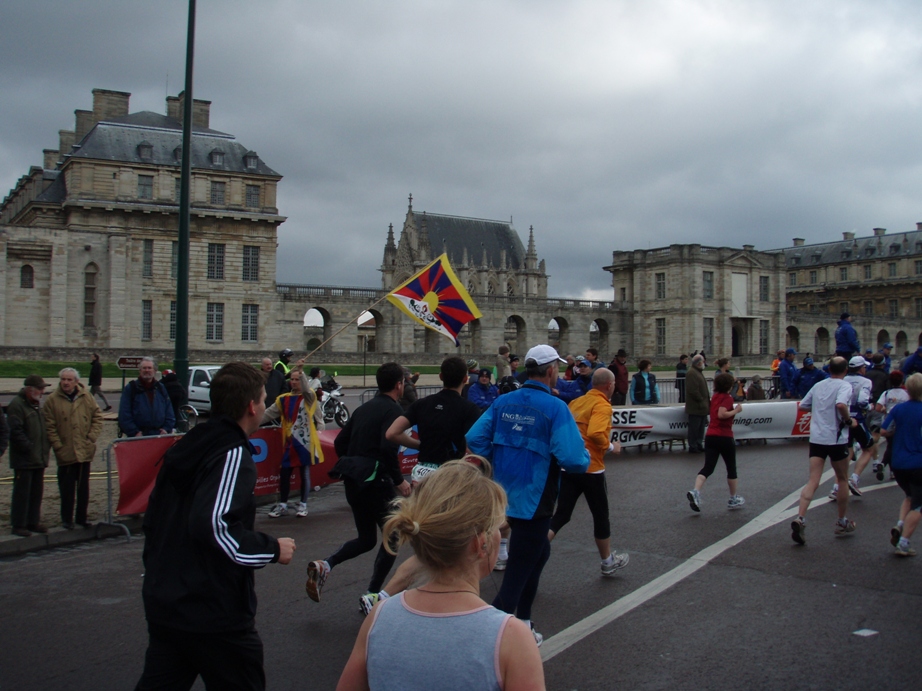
<point>883,336</point>
<point>369,331</point>
<point>793,337</point>
<point>471,337</point>
<point>901,343</point>
<point>317,328</point>
<point>598,336</point>
<point>516,335</point>
<point>821,343</point>
<point>558,334</point>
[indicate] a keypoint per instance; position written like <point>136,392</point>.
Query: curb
<point>11,545</point>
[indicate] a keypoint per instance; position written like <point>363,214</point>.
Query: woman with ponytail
<point>452,522</point>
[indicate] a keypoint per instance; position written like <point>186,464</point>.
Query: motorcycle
<point>330,405</point>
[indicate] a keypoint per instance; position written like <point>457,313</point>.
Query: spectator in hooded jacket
<point>787,370</point>
<point>483,393</point>
<point>806,377</point>
<point>846,337</point>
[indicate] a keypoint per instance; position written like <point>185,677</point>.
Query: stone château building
<point>877,279</point>
<point>88,240</point>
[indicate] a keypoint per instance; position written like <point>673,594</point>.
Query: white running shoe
<point>694,499</point>
<point>501,564</point>
<point>539,639</point>
<point>834,494</point>
<point>302,509</point>
<point>735,502</point>
<point>279,510</point>
<point>619,561</point>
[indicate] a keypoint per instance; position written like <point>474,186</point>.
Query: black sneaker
<point>895,534</point>
<point>797,531</point>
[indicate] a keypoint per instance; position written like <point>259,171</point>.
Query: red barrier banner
<point>138,462</point>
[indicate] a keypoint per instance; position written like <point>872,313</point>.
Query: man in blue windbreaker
<point>529,435</point>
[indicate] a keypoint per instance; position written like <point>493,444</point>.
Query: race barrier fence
<point>138,462</point>
<point>138,459</point>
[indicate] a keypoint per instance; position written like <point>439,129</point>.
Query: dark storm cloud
<point>605,125</point>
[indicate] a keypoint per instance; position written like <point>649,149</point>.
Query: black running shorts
<point>910,481</point>
<point>834,452</point>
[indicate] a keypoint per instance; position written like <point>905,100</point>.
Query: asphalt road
<point>717,600</point>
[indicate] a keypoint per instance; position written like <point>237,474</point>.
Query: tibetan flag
<point>435,298</point>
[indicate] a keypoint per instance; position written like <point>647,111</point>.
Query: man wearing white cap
<point>530,435</point>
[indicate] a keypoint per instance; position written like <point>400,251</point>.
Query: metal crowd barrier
<point>107,454</point>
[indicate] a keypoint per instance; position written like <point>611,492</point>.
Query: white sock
<point>899,524</point>
<point>855,478</point>
<point>326,566</point>
<point>503,549</point>
<point>383,595</point>
<point>610,559</point>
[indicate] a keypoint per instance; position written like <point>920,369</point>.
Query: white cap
<point>542,354</point>
<point>858,361</point>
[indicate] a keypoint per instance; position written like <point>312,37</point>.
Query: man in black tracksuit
<point>370,470</point>
<point>201,551</point>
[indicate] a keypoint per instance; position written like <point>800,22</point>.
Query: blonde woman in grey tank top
<point>452,522</point>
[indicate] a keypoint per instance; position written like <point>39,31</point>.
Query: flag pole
<point>348,324</point>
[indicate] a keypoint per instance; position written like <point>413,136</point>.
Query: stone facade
<point>721,300</point>
<point>877,279</point>
<point>89,241</point>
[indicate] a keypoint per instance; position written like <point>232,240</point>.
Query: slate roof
<point>117,140</point>
<point>859,249</point>
<point>476,234</point>
<point>56,192</point>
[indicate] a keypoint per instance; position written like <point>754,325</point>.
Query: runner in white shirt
<point>888,400</point>
<point>829,401</point>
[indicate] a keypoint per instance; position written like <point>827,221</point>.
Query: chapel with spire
<point>487,256</point>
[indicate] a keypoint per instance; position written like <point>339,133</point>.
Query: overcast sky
<point>606,125</point>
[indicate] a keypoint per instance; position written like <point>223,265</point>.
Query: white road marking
<point>778,513</point>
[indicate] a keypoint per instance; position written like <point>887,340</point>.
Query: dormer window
<point>250,160</point>
<point>795,261</point>
<point>217,157</point>
<point>894,249</point>
<point>869,251</point>
<point>817,257</point>
<point>145,151</point>
<point>177,154</point>
<point>846,254</point>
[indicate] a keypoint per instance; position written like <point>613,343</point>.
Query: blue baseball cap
<point>808,361</point>
<point>790,351</point>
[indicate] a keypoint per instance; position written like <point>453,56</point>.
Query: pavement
<point>719,599</point>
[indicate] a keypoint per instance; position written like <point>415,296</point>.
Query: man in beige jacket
<point>73,422</point>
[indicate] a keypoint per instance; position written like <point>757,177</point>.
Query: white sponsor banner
<point>762,420</point>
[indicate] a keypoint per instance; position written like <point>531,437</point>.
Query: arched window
<point>89,296</point>
<point>491,289</point>
<point>510,289</point>
<point>26,276</point>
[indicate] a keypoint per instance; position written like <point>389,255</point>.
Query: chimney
<point>201,113</point>
<point>109,104</point>
<point>798,242</point>
<point>879,232</point>
<point>749,248</point>
<point>50,158</point>
<point>848,235</point>
<point>174,107</point>
<point>65,141</point>
<point>84,123</point>
<point>201,110</point>
<point>918,225</point>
